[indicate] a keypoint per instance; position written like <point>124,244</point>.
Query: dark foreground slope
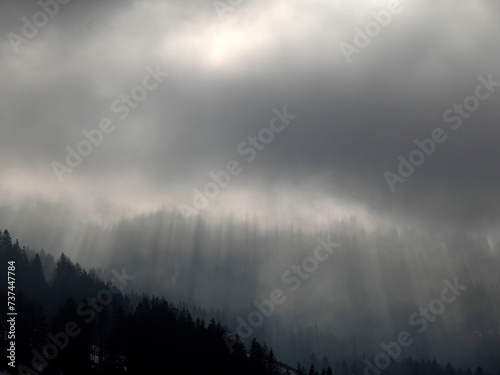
<point>78,324</point>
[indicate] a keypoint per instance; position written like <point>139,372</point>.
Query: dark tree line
<point>65,325</point>
<point>112,338</point>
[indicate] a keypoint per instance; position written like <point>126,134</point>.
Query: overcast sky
<point>227,72</point>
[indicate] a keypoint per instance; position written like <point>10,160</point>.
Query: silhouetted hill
<point>76,323</point>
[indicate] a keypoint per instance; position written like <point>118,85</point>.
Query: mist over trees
<point>132,334</point>
<point>363,295</point>
<point>360,297</point>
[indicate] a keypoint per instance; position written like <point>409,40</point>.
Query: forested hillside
<point>75,323</point>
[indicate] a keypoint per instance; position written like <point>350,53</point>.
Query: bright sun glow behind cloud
<point>252,30</point>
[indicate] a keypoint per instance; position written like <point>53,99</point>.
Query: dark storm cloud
<point>353,119</point>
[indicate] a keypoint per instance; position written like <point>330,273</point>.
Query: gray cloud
<point>353,120</point>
